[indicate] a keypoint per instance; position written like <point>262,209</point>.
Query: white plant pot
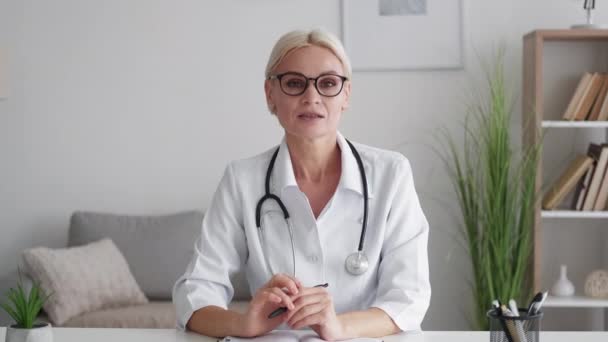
<point>42,332</point>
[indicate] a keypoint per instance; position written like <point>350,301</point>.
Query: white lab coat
<point>397,280</point>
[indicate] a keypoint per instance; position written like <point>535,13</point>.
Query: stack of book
<point>589,101</point>
<point>586,177</point>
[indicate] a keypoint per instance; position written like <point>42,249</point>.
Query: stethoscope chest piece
<point>356,263</point>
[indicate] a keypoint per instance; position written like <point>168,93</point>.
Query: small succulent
<point>24,307</point>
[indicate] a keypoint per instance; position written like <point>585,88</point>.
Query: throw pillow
<point>157,247</point>
<point>83,279</point>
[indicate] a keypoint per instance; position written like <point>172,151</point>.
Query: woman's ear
<point>269,102</point>
<point>346,91</point>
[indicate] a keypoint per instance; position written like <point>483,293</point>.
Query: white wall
<point>126,106</point>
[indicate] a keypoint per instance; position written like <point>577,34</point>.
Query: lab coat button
<point>313,259</point>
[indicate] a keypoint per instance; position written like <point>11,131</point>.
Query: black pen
<point>283,309</point>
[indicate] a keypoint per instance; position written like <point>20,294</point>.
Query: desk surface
<point>170,335</point>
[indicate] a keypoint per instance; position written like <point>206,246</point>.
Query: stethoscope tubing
<point>268,195</point>
<point>365,194</point>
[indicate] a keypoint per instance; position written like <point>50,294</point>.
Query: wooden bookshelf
<point>575,302</point>
<point>541,112</point>
<point>574,214</point>
<point>573,124</point>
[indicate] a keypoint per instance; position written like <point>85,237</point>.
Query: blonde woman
<point>330,233</point>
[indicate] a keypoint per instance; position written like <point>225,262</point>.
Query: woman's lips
<point>310,116</point>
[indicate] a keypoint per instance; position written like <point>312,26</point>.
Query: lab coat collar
<point>349,179</point>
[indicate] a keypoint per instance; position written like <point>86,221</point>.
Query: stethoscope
<point>357,262</point>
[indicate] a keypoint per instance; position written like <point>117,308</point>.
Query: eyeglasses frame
<point>308,79</point>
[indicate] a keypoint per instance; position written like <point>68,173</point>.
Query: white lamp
<point>589,5</point>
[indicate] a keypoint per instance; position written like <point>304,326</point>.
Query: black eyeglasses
<point>295,83</point>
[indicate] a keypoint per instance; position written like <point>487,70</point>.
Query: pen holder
<point>522,328</point>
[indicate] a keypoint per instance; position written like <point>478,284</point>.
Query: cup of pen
<point>522,328</point>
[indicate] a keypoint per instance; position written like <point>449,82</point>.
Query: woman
<point>312,217</point>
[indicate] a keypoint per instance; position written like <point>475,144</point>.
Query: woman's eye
<point>295,83</point>
<point>328,83</point>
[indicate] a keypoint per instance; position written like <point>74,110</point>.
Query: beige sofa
<point>157,249</point>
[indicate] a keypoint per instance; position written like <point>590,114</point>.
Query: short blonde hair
<point>302,38</point>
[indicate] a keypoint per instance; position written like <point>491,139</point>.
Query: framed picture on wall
<point>403,34</point>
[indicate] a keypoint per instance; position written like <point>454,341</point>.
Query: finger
<point>310,299</point>
<point>263,296</point>
<point>308,291</point>
<point>302,306</point>
<point>308,315</point>
<point>284,298</point>
<point>292,284</point>
<point>271,297</point>
<point>282,280</point>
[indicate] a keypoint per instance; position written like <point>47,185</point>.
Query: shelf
<point>575,302</point>
<point>573,214</point>
<point>567,34</point>
<point>574,124</point>
<point>549,79</point>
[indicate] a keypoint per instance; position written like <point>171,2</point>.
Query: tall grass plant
<point>495,186</point>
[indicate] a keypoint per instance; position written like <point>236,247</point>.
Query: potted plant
<point>495,185</point>
<point>24,307</point>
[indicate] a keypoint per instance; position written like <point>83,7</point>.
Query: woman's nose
<point>311,95</point>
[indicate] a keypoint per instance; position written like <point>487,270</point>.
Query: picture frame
<point>385,35</point>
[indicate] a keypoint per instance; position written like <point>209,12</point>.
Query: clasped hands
<point>306,306</point>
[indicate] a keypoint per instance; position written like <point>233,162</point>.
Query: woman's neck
<point>314,160</point>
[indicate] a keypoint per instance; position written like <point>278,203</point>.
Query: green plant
<point>23,307</point>
<point>496,194</point>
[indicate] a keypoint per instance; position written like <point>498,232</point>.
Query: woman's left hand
<point>314,307</point>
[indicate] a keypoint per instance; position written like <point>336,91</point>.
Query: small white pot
<point>41,332</point>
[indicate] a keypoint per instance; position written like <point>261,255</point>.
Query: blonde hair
<point>302,38</point>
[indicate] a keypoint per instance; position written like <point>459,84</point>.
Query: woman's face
<point>309,115</point>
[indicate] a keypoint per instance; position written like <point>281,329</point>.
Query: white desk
<point>169,335</point>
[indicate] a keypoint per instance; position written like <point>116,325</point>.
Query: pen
<point>537,297</point>
<point>539,304</point>
<point>536,303</point>
<point>511,331</point>
<point>496,307</point>
<point>513,307</point>
<point>283,309</point>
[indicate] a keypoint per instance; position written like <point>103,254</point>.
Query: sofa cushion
<point>160,315</point>
<point>154,315</point>
<point>82,279</point>
<point>157,248</point>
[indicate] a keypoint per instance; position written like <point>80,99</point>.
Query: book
<point>588,97</point>
<point>599,101</point>
<point>292,336</point>
<point>576,98</point>
<point>602,193</point>
<point>581,189</point>
<point>600,154</point>
<point>567,181</point>
<point>593,151</point>
<point>603,111</point>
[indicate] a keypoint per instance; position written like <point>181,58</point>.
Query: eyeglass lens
<point>296,84</point>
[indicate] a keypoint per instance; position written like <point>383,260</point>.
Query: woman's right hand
<point>276,293</point>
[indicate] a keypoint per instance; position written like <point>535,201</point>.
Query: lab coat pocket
<point>277,242</point>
